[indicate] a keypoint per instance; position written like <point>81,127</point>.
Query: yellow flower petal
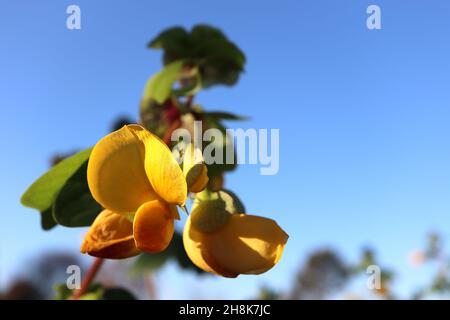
<point>162,170</point>
<point>116,173</point>
<point>153,226</point>
<point>247,244</point>
<point>195,247</point>
<point>110,236</point>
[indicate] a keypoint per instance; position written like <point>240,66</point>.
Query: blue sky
<point>363,118</point>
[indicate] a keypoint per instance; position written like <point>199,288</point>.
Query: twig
<point>189,100</point>
<point>92,272</point>
<point>168,135</point>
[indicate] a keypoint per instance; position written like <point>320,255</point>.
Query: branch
<point>168,135</point>
<point>92,272</point>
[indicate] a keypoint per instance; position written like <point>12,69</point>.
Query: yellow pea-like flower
<point>134,176</point>
<point>220,240</point>
<point>246,244</point>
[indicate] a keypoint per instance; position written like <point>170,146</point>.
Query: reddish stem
<point>168,135</point>
<point>189,101</point>
<point>92,272</point>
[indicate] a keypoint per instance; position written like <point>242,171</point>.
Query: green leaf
<point>94,292</point>
<point>201,32</point>
<point>219,60</point>
<point>42,193</point>
<point>74,206</point>
<point>47,221</point>
<point>218,115</point>
<point>117,294</point>
<point>150,261</point>
<point>216,169</point>
<point>160,85</point>
<point>221,63</point>
<point>175,42</point>
<point>170,39</point>
<point>62,292</point>
<point>96,295</point>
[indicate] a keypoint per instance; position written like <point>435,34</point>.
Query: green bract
<point>211,210</point>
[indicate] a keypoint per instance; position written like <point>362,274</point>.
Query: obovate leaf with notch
<point>74,206</point>
<point>43,192</point>
<point>216,169</point>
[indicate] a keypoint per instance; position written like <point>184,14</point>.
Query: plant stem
<point>150,284</point>
<point>168,135</point>
<point>92,272</point>
<point>189,101</point>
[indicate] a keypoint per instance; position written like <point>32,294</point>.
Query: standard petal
<point>153,226</point>
<point>247,244</point>
<point>110,236</point>
<point>162,169</point>
<point>116,173</point>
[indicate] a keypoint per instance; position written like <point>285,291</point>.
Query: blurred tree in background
<point>325,274</point>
